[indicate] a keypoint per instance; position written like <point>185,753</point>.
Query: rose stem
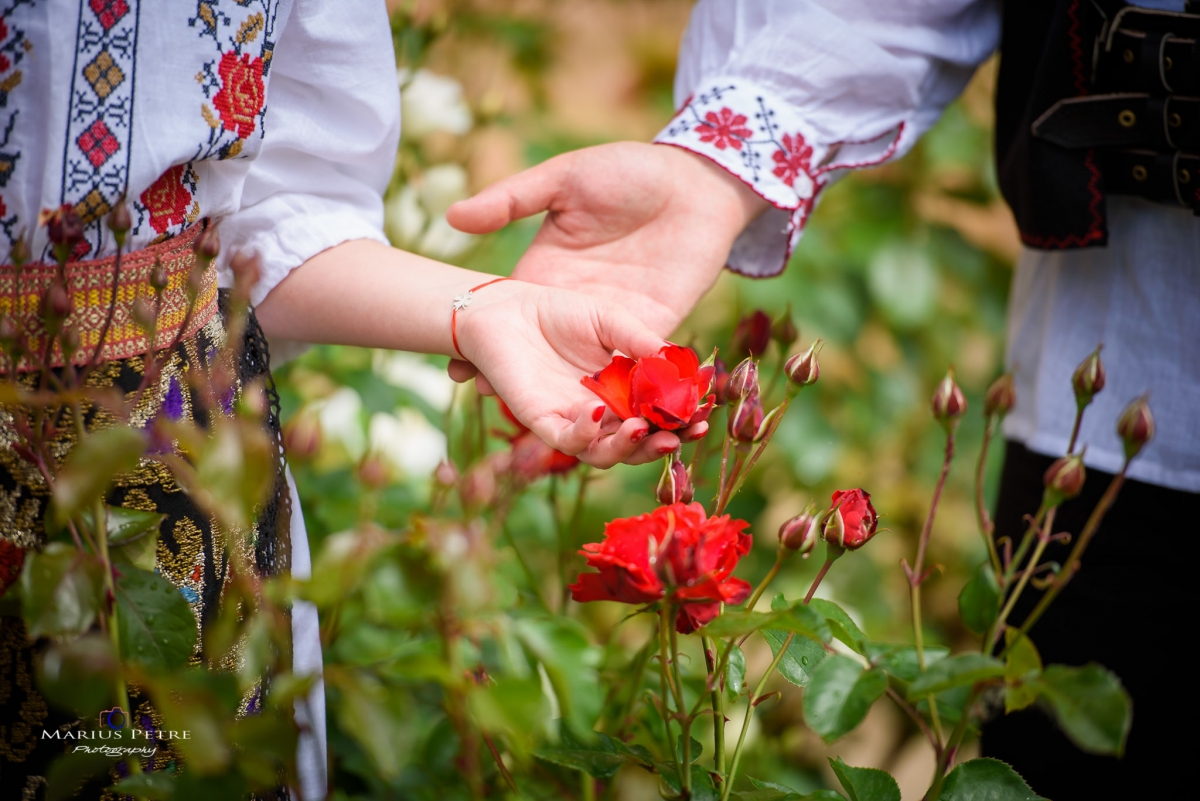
<point>780,554</point>
<point>724,465</point>
<point>685,737</point>
<point>572,532</point>
<point>723,499</point>
<point>986,528</point>
<point>737,751</point>
<point>947,753</point>
<point>1043,538</point>
<point>112,310</point>
<point>1085,537</point>
<point>718,704</point>
<point>639,671</point>
<point>915,577</point>
<point>783,407</point>
<point>487,738</point>
<point>916,718</point>
<point>829,560</point>
<point>664,621</point>
<point>560,537</point>
<point>1026,541</point>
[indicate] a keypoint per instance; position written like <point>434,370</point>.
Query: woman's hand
<point>532,344</point>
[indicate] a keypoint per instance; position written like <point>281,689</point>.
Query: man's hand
<point>646,226</point>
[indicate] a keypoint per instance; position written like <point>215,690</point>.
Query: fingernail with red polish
<point>663,451</point>
<point>597,413</point>
<point>640,435</point>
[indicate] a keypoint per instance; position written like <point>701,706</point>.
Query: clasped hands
<point>634,235</point>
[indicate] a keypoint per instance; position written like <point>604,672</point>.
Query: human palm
<point>645,226</point>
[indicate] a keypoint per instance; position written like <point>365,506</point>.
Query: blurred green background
<point>903,271</point>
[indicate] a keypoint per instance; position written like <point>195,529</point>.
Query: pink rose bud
<point>752,335</point>
<point>799,534</point>
<point>1089,377</point>
<point>373,472</point>
<point>675,483</point>
<point>720,381</point>
<point>302,437</point>
<point>208,244</point>
<point>803,368</point>
<point>784,330</point>
<point>120,221</point>
<point>851,521</point>
<point>56,302</point>
<point>742,381</point>
<point>1136,427</point>
<point>948,402</point>
<point>19,255</point>
<point>64,227</point>
<point>446,474</point>
<point>1064,479</point>
<point>1001,396</point>
<point>479,486</point>
<point>158,277</point>
<point>143,313</point>
<point>746,419</point>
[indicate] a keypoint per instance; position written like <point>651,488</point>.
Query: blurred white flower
<point>442,241</point>
<point>408,441</point>
<point>340,417</point>
<point>430,103</point>
<point>410,371</point>
<point>404,219</point>
<point>440,186</point>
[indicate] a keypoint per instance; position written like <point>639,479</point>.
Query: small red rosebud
<point>302,437</point>
<point>445,474</point>
<point>746,419</point>
<point>63,227</point>
<point>784,330</point>
<point>752,335</point>
<point>158,277</point>
<point>1001,396</point>
<point>373,472</point>
<point>851,520</point>
<point>675,484</point>
<point>1136,427</point>
<point>948,402</point>
<point>720,381</point>
<point>120,221</point>
<point>803,368</point>
<point>208,244</point>
<point>1064,479</point>
<point>1089,377</point>
<point>799,534</point>
<point>56,302</point>
<point>20,255</point>
<point>742,381</point>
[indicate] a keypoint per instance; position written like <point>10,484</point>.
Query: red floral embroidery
<point>11,559</point>
<point>724,129</point>
<point>167,199</point>
<point>109,12</point>
<point>242,93</point>
<point>795,158</point>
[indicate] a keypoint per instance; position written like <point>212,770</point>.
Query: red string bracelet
<point>461,302</point>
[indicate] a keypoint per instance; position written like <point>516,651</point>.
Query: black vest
<point>1094,98</point>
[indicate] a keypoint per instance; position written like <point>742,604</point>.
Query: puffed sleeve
<point>788,95</point>
<point>331,130</point>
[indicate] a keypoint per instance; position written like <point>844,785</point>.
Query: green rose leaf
<point>1021,663</point>
<point>365,712</point>
<point>158,629</point>
<point>840,624</point>
<point>839,695</point>
<point>799,619</point>
<point>901,661</point>
<point>954,671</point>
<point>514,707</point>
<point>801,658</point>
<point>155,785</point>
<point>570,662</point>
<point>986,780</point>
<point>90,467</point>
<point>1090,705</point>
<point>60,591</point>
<point>735,672</point>
<point>69,771</point>
<point>865,784</point>
<point>979,601</point>
<point>696,749</point>
<point>79,674</point>
<point>703,788</point>
<point>737,624</point>
<point>599,755</point>
<point>770,791</point>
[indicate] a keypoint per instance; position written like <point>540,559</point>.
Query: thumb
<point>527,193</point>
<point>623,332</point>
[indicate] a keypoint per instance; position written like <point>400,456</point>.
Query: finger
<point>693,433</point>
<point>619,446</point>
<point>522,195</point>
<point>461,371</point>
<point>653,448</point>
<point>483,386</point>
<point>571,437</point>
<point>623,332</point>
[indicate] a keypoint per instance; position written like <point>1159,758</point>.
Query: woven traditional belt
<point>90,287</point>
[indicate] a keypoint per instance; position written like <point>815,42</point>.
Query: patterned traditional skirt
<point>189,554</point>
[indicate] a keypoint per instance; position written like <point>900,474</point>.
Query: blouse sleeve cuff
<point>765,142</point>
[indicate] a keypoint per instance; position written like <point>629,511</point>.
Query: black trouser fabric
<point>1126,609</point>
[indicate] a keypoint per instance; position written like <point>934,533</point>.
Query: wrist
<point>733,197</point>
<point>468,320</point>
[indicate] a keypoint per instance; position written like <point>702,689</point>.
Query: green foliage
<point>158,630</point>
<point>79,674</point>
<point>986,780</point>
<point>735,672</point>
<point>979,601</point>
<point>839,695</point>
<point>90,467</point>
<point>1021,664</point>
<point>1090,706</point>
<point>960,670</point>
<point>60,589</point>
<point>865,784</point>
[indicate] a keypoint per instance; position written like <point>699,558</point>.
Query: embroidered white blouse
<point>789,95</point>
<point>279,117</point>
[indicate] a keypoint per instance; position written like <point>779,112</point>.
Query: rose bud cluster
<point>1001,396</point>
<point>1064,479</point>
<point>948,402</point>
<point>752,335</point>
<point>742,381</point>
<point>675,483</point>
<point>1089,378</point>
<point>851,520</point>
<point>64,229</point>
<point>531,457</point>
<point>1135,427</point>
<point>720,380</point>
<point>673,550</point>
<point>670,389</point>
<point>800,533</point>
<point>803,369</point>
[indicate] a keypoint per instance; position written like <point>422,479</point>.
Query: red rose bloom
<point>854,521</point>
<point>670,389</point>
<point>242,94</point>
<point>11,559</point>
<point>673,548</point>
<point>167,199</point>
<point>531,457</point>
